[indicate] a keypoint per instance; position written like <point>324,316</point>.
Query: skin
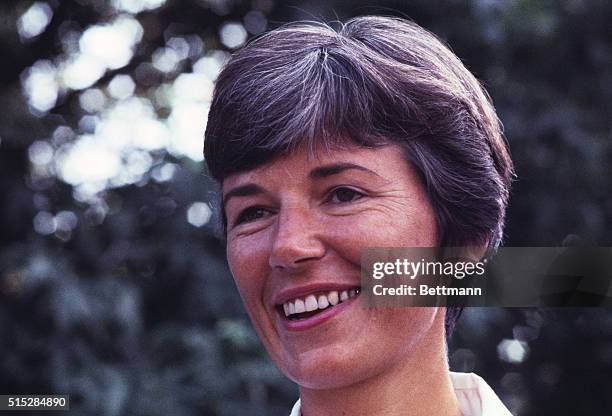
<point>294,222</point>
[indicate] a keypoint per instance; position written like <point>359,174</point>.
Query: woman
<point>326,143</point>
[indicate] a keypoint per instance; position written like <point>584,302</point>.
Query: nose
<point>297,239</point>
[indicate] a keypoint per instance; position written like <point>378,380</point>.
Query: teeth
<point>311,303</point>
<point>332,297</point>
<point>320,301</point>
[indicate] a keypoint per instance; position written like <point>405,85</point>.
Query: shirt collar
<point>474,395</point>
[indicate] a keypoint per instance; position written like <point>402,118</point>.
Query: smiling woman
<point>327,143</point>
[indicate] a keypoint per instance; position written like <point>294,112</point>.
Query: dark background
<point>113,285</point>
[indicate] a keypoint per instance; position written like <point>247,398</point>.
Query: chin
<point>331,367</point>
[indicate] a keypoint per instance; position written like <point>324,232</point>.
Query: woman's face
<point>296,229</point>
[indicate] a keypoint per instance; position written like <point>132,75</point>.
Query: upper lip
<point>302,291</point>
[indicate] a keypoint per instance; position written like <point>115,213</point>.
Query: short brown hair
<point>376,80</point>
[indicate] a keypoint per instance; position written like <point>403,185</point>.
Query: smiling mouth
<point>301,308</point>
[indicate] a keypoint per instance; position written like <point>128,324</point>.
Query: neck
<point>421,385</point>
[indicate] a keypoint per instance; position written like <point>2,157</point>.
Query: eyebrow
<point>336,168</point>
<point>317,173</point>
<point>242,190</point>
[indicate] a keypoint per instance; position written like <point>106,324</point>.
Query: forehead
<point>301,163</point>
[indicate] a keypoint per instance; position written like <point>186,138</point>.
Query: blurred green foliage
<point>116,290</point>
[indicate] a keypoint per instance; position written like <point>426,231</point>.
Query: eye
<point>251,214</point>
<point>343,195</point>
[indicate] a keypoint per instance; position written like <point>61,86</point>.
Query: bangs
<point>315,97</point>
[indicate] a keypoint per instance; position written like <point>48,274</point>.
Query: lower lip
<point>318,319</point>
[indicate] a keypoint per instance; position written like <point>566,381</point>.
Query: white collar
<point>474,395</point>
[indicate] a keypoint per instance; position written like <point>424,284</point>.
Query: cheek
<point>409,228</point>
<point>248,262</point>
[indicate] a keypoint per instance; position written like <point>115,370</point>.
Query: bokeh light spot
<point>233,35</point>
<point>44,223</point>
<point>87,161</point>
<point>186,124</point>
<point>121,87</point>
<point>137,6</point>
<point>112,45</point>
<point>165,59</point>
<point>211,65</point>
<point>40,153</point>
<point>164,172</point>
<point>82,71</point>
<point>34,21</point>
<point>512,350</point>
<point>40,86</point>
<point>198,214</point>
<point>255,22</point>
<point>92,100</point>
